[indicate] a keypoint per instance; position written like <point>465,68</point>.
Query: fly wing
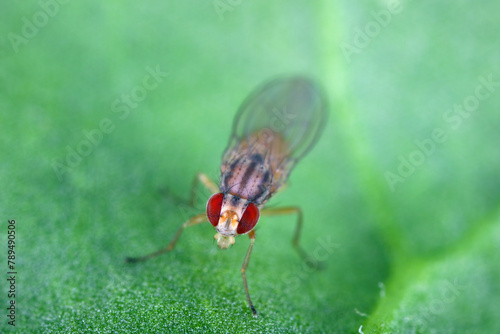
<point>278,123</point>
<point>292,107</point>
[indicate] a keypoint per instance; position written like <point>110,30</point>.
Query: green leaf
<point>108,111</point>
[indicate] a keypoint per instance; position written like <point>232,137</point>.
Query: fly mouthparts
<point>224,241</point>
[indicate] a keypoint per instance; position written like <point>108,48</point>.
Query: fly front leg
<point>251,235</point>
<point>190,222</point>
<point>208,184</point>
<point>298,229</point>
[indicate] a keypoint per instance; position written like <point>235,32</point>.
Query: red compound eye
<point>214,205</point>
<point>249,219</point>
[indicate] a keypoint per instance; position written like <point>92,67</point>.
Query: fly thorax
<point>247,178</point>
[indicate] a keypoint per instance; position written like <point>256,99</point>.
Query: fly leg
<point>191,203</point>
<point>190,222</point>
<point>298,229</point>
<point>206,182</point>
<point>210,185</point>
<point>251,235</point>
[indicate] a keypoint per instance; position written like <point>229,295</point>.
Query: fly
<point>273,129</point>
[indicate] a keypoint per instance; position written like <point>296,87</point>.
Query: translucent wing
<point>293,107</point>
<point>274,128</point>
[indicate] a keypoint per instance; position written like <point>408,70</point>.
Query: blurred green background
<point>403,183</point>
